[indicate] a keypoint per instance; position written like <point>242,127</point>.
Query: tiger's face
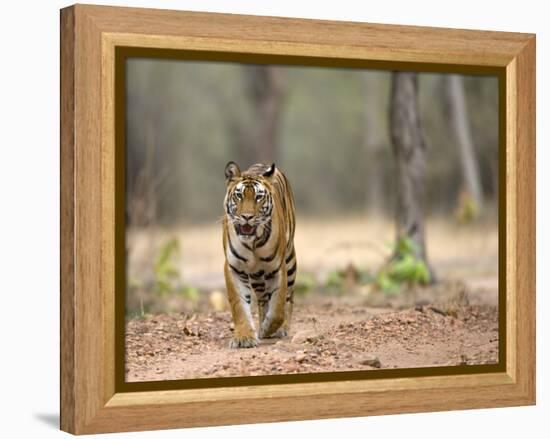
<point>248,203</point>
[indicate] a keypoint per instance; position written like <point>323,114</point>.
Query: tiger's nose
<point>247,217</point>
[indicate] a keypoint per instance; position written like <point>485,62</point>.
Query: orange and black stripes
<point>258,239</point>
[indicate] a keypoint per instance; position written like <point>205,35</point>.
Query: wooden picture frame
<point>91,399</point>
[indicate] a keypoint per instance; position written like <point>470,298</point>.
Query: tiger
<point>258,243</point>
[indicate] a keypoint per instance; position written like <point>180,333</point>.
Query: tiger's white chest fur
<point>246,256</point>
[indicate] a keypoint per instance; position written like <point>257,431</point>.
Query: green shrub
<point>305,282</point>
<point>405,268</point>
<point>335,279</point>
<point>167,276</point>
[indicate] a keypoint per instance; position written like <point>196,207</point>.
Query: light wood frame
<point>89,36</point>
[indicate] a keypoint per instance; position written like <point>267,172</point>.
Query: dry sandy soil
<point>356,331</point>
<point>324,337</point>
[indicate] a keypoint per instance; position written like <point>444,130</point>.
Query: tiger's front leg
<point>274,311</point>
<point>238,294</point>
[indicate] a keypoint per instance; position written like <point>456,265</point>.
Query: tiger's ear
<point>232,171</point>
<point>269,171</point>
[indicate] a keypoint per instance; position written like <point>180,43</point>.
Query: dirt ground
<point>325,337</point>
<point>454,322</point>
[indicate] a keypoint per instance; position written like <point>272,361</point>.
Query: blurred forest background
<point>343,138</point>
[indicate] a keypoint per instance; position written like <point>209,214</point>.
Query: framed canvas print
<point>311,218</point>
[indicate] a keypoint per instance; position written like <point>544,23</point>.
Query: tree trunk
<point>459,122</point>
<point>242,142</point>
<point>266,90</point>
<point>374,145</point>
<point>409,149</point>
<point>141,203</point>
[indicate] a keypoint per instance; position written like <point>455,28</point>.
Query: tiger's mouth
<point>246,229</point>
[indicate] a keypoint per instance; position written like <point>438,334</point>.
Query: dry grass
<point>325,245</point>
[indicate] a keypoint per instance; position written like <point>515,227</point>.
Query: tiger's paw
<point>280,333</point>
<point>243,342</point>
<point>270,329</point>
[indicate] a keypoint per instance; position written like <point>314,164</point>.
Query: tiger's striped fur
<point>258,242</point>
